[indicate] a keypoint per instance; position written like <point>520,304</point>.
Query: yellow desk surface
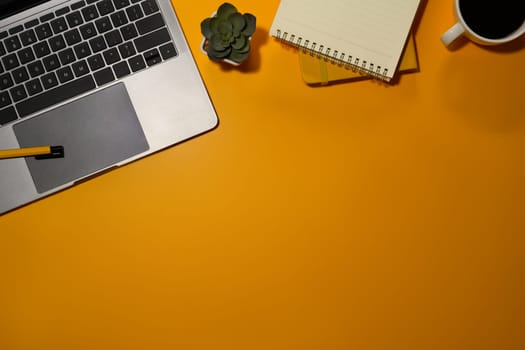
<point>355,216</point>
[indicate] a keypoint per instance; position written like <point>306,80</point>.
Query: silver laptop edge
<point>179,109</point>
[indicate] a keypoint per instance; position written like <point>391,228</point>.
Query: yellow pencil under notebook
<point>39,152</point>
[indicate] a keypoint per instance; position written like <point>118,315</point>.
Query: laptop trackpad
<point>96,131</point>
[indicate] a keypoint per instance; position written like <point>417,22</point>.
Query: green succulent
<point>228,34</point>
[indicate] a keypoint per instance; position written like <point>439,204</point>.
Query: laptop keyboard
<point>76,49</point>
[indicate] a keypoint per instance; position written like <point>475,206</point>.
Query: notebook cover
<point>319,71</point>
<point>369,35</point>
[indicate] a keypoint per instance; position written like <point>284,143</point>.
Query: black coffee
<point>493,19</point>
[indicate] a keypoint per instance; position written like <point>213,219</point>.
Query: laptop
<point>109,80</point>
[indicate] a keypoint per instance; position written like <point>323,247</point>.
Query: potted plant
<point>227,35</point>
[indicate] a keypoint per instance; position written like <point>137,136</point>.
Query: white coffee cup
<point>461,28</point>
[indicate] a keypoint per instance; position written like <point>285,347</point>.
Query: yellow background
<point>355,216</point>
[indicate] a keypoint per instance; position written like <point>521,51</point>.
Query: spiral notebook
<point>318,71</point>
<point>368,35</point>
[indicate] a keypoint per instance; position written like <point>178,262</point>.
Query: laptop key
<point>97,44</point>
<point>34,87</point>
<point>5,81</point>
<point>90,13</point>
<point>35,69</point>
<point>5,100</point>
<point>51,62</point>
<point>127,50</point>
<point>72,37</point>
<point>16,29</point>
<point>18,93</point>
<point>167,51</point>
<point>41,49</point>
<point>77,5</point>
<point>62,11</point>
<point>26,55</point>
<point>43,31</point>
<point>82,50</point>
<point>119,19</point>
<point>57,43</point>
<point>103,25</point>
<point>134,12</point>
<point>149,7</point>
<point>49,80</point>
<point>88,31</point>
<point>31,23</point>
<point>28,37</point>
<point>80,68</point>
<point>152,57</point>
<point>47,17</point>
<point>113,38</point>
<point>111,56</point>
<point>10,61</point>
<point>66,56</point>
<point>7,115</point>
<point>137,63</point>
<point>56,95</point>
<point>74,19</point>
<point>104,76</point>
<point>121,3</point>
<point>65,74</point>
<point>105,7</point>
<point>121,69</point>
<point>129,32</point>
<point>20,75</point>
<point>12,43</point>
<point>96,62</point>
<point>150,23</point>
<point>59,25</point>
<point>152,40</point>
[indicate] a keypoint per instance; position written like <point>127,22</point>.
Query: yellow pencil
<point>39,152</point>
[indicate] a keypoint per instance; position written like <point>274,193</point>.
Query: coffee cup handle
<point>452,34</point>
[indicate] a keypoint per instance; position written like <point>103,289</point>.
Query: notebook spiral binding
<point>335,57</point>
